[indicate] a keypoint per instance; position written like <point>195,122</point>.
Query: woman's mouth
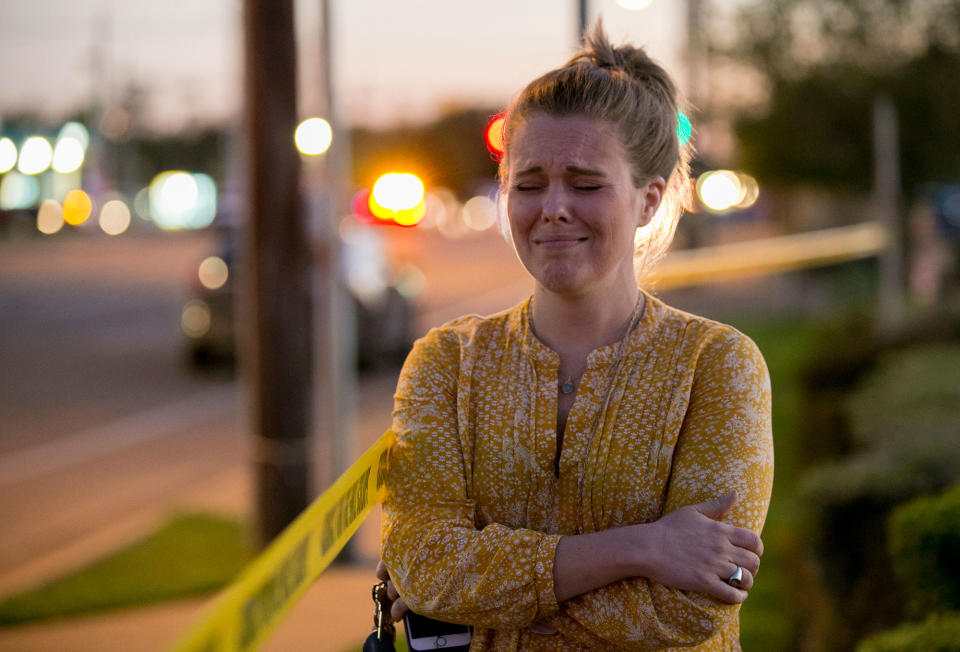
<point>558,241</point>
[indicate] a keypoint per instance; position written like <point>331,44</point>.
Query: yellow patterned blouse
<point>474,510</point>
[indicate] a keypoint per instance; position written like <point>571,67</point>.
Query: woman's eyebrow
<point>586,171</point>
<point>536,169</point>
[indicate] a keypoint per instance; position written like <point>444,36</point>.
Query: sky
<point>393,61</point>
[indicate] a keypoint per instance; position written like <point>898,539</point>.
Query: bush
<point>939,633</point>
<point>902,420</point>
<point>924,545</point>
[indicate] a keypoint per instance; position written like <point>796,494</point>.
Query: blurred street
<point>107,430</point>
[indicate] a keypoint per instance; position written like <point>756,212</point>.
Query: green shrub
<point>903,419</point>
<point>924,545</point>
<point>939,633</point>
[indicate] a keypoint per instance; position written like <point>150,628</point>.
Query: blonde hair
<point>623,86</point>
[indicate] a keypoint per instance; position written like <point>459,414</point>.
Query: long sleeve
<point>442,565</point>
<point>724,443</point>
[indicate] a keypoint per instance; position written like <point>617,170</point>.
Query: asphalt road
<point>105,429</point>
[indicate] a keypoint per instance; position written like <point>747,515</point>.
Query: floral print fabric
<point>474,509</point>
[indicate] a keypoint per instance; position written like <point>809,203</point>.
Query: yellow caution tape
<point>250,608</point>
<point>770,256</point>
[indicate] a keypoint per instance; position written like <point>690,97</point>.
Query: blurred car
<point>383,314</point>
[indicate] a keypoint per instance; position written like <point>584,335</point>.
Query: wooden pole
<point>886,199</point>
<point>583,15</point>
<point>278,356</point>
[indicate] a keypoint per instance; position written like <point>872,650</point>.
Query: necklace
<point>570,384</point>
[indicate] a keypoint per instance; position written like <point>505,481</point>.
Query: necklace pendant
<point>567,387</point>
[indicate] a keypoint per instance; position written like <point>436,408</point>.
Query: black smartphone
<point>428,634</point>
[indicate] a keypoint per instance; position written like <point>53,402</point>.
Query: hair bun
<point>634,61</point>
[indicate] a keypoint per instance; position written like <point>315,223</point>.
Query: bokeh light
<point>751,190</point>
<point>449,217</point>
<point>8,155</point>
<point>363,262</point>
<point>410,281</point>
<point>180,200</point>
<point>398,191</point>
<point>313,136</point>
<point>634,5</point>
<point>684,128</point>
<point>480,213</point>
<point>213,272</point>
<point>719,190</point>
<point>36,154</point>
<point>206,208</point>
<point>76,207</point>
<point>195,318</point>
<point>411,216</point>
<point>141,203</point>
<point>360,206</point>
<point>76,131</point>
<point>49,217</point>
<point>18,191</point>
<point>493,136</point>
<point>114,217</point>
<point>67,155</point>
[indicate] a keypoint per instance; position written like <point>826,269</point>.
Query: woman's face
<point>572,205</point>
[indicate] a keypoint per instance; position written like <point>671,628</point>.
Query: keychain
<point>382,636</point>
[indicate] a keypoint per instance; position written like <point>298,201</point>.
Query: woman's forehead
<point>579,141</point>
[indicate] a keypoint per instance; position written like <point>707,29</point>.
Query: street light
<point>36,154</point>
<point>313,136</point>
<point>8,155</point>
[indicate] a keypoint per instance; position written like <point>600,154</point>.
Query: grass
<point>192,554</point>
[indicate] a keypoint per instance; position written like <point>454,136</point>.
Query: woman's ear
<point>650,197</point>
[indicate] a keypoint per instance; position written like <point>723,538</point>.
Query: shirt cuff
<point>543,576</point>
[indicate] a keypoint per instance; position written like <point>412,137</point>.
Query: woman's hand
<point>395,604</point>
<point>690,549</point>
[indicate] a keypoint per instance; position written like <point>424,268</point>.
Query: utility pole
<point>335,321</point>
<point>277,351</point>
<point>584,10</point>
<point>886,198</point>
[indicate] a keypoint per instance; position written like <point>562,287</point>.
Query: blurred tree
<point>824,61</point>
<point>448,152</point>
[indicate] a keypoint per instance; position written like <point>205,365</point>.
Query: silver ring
<point>735,579</point>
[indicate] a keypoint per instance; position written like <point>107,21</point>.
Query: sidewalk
<point>335,615</point>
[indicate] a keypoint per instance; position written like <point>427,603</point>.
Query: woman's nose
<point>556,206</point>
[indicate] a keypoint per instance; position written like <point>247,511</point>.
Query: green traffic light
<point>684,128</point>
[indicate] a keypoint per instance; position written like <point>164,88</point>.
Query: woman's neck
<point>577,325</point>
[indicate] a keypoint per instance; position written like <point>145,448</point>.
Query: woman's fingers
<point>397,605</point>
<point>717,507</point>
<point>397,609</point>
<point>392,591</point>
<point>726,593</point>
<point>695,550</point>
<point>748,539</point>
<point>746,577</point>
<point>746,559</point>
